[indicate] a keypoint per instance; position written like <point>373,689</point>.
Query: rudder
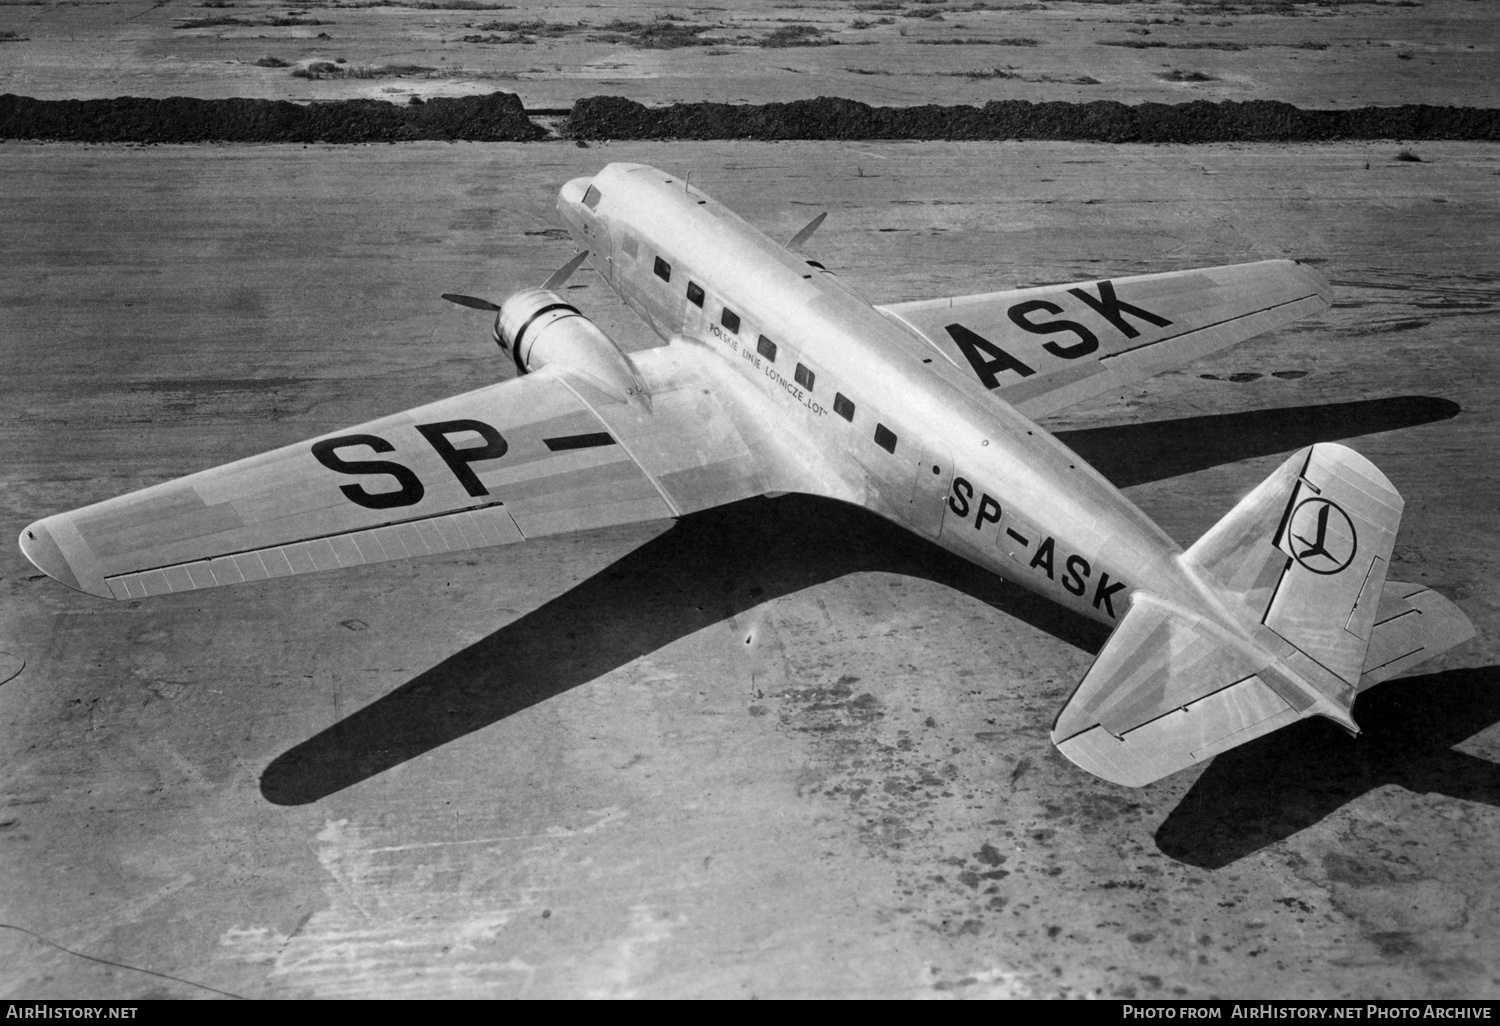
<point>1305,557</point>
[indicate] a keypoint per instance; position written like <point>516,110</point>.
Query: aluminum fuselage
<point>958,465</point>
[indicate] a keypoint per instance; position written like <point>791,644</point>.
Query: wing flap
<point>1042,349</point>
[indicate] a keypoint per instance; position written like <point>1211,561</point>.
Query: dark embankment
<point>498,117</point>
<point>612,117</point>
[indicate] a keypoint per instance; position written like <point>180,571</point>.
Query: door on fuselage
<point>596,235</point>
<point>906,478</point>
<point>929,493</point>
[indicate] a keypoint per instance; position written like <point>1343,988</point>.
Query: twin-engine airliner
<point>776,376</point>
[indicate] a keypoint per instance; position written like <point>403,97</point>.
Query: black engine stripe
<point>578,441</point>
<point>521,331</point>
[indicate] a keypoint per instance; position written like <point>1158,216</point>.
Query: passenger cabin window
<point>591,198</point>
<point>730,320</point>
<point>765,347</point>
<point>695,293</point>
<point>804,377</point>
<point>663,269</point>
<point>885,438</point>
<point>843,407</point>
<point>629,246</point>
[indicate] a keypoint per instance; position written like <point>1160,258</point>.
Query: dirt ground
<point>782,749</point>
<point>886,52</point>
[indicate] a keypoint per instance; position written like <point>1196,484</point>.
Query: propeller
<point>565,272</point>
<point>554,281</point>
<point>472,302</point>
<point>806,233</point>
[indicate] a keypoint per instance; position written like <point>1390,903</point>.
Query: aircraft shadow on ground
<point>1140,453</point>
<point>714,565</point>
<point>707,568</point>
<point>1277,785</point>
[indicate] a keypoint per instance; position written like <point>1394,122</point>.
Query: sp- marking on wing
<point>534,456</point>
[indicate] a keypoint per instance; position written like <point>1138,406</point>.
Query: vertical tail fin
<point>1300,563</point>
<point>1305,556</point>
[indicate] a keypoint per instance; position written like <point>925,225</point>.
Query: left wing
<point>534,456</point>
<point>1042,349</point>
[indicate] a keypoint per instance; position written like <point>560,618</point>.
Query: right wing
<point>534,456</point>
<point>1046,348</point>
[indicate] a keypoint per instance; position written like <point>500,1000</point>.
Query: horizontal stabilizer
<point>1413,624</point>
<point>1167,691</point>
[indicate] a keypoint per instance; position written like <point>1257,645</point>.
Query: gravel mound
<point>498,117</point>
<point>827,117</point>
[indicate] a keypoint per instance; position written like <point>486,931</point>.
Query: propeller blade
<point>565,272</point>
<point>471,302</point>
<point>806,233</point>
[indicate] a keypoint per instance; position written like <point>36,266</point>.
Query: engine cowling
<point>540,329</point>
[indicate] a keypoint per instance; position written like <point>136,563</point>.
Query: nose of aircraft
<point>570,200</point>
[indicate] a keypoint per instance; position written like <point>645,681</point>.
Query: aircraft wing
<point>1043,349</point>
<point>534,456</point>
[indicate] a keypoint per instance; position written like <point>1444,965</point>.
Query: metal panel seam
<point>672,506</point>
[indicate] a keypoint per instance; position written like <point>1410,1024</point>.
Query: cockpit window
<point>591,198</point>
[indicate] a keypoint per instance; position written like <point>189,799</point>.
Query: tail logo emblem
<point>1323,537</point>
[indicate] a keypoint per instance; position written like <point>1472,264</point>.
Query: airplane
<point>777,376</point>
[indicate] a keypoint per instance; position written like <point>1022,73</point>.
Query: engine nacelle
<point>539,329</point>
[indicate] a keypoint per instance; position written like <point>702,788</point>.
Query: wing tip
<point>1316,279</point>
<point>38,545</point>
